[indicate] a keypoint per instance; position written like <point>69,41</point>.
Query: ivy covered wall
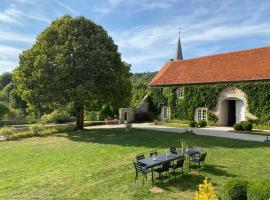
<point>258,96</point>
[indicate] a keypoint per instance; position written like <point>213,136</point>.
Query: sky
<point>146,31</point>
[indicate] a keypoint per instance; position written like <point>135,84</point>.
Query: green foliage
<point>202,123</point>
<point>193,124</point>
<point>258,96</point>
<point>258,190</point>
<point>38,130</point>
<point>4,110</point>
<point>91,115</point>
<point>73,60</point>
<point>238,127</point>
<point>5,79</point>
<point>58,116</point>
<point>235,189</point>
<point>139,79</point>
<point>6,132</point>
<point>35,129</point>
<point>246,125</point>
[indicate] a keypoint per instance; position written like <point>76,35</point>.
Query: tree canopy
<point>73,60</point>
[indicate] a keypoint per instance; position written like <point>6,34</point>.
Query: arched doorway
<point>232,107</point>
<point>232,111</point>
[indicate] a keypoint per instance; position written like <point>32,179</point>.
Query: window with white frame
<point>180,93</point>
<point>202,114</point>
<point>166,112</point>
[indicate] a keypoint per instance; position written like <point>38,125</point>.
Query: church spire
<point>179,54</point>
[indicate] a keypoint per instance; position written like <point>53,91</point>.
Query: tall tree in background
<point>73,60</point>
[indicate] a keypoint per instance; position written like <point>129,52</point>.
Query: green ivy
<point>258,97</point>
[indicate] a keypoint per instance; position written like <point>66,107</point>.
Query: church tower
<point>179,54</point>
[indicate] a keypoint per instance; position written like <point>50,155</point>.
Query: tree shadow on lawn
<point>216,170</point>
<point>156,139</point>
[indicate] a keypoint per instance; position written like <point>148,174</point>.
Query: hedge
<point>235,189</point>
<point>258,190</point>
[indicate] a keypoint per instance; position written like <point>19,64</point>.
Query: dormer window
<point>180,93</point>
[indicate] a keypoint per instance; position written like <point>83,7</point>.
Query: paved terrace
<point>212,131</point>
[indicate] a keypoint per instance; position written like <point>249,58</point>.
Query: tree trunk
<point>80,116</point>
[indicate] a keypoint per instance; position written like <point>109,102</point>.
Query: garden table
<point>150,162</point>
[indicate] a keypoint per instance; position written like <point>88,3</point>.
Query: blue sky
<point>146,31</point>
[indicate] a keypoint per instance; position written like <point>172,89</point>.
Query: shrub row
<point>34,130</point>
<point>57,117</point>
<point>201,124</point>
<point>237,189</point>
<point>243,126</point>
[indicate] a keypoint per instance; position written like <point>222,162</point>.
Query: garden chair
<point>140,169</point>
<point>164,168</point>
<point>173,150</point>
<point>140,156</point>
<point>153,153</point>
<point>198,158</point>
<point>179,164</point>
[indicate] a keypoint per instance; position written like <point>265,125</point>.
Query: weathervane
<point>180,30</point>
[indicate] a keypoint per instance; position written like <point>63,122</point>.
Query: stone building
<point>232,87</point>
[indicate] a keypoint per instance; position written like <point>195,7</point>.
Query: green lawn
<point>98,164</point>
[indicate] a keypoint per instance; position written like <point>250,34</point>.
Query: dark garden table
<point>159,159</point>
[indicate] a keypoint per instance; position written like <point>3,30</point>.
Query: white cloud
<point>9,51</point>
<point>67,7</point>
<point>16,37</point>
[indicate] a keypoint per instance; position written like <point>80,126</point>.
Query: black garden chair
<point>198,159</point>
<point>140,156</point>
<point>164,168</point>
<point>179,164</point>
<point>173,150</point>
<point>140,169</point>
<point>153,153</point>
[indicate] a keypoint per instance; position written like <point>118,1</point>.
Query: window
<point>166,112</point>
<point>180,93</point>
<point>201,114</point>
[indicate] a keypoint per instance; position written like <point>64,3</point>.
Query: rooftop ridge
<point>219,54</point>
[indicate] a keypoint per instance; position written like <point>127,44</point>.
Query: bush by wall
<point>235,189</point>
<point>193,124</point>
<point>202,123</point>
<point>238,127</point>
<point>246,125</point>
<point>258,190</point>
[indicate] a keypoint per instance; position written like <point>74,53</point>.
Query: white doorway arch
<point>232,107</point>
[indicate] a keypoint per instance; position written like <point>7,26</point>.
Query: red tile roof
<point>253,64</point>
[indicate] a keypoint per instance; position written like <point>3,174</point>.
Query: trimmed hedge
<point>193,124</point>
<point>238,127</point>
<point>258,190</point>
<point>235,189</point>
<point>246,125</point>
<point>202,123</point>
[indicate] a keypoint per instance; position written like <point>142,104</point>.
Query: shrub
<point>202,123</point>
<point>6,132</point>
<point>258,190</point>
<point>57,117</point>
<point>246,125</point>
<point>235,189</point>
<point>142,117</point>
<point>238,127</point>
<point>193,124</point>
<point>35,129</point>
<point>206,191</point>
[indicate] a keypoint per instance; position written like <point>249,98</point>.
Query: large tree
<point>73,60</point>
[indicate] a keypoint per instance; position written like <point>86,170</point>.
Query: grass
<point>97,164</point>
<point>172,124</point>
<point>254,132</point>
